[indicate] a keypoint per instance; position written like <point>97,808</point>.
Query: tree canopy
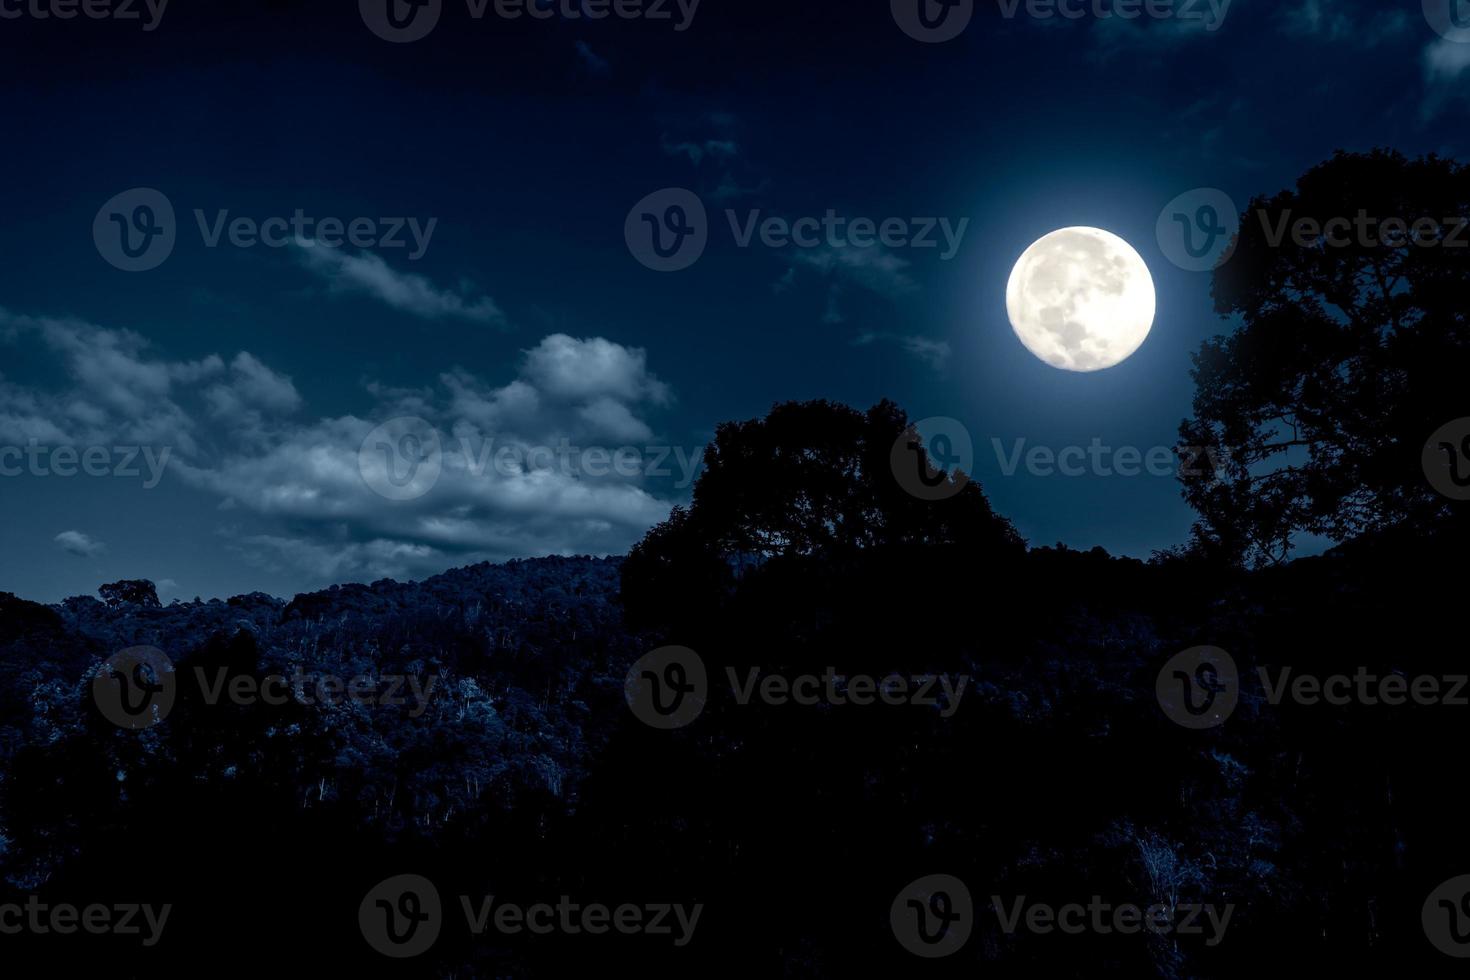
<point>1350,352</point>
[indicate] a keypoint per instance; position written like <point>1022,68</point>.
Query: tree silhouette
<point>813,482</point>
<point>1351,351</point>
<point>136,592</point>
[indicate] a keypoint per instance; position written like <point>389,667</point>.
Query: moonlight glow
<point>1081,299</point>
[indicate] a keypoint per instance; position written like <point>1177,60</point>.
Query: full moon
<point>1081,299</point>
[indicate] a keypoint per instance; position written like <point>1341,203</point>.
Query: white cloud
<point>566,367</point>
<point>524,464</point>
<point>407,292</point>
<point>116,391</point>
<point>82,545</point>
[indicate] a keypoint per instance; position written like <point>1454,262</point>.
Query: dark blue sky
<point>527,320</point>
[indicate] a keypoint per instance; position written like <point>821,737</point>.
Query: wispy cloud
<point>407,292</point>
<point>935,353</point>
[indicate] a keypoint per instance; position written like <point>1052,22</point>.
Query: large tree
<point>1351,350</point>
<point>812,483</point>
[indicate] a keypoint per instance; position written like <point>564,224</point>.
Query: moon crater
<point>1081,299</point>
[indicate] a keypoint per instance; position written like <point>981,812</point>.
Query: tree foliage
<point>1350,353</point>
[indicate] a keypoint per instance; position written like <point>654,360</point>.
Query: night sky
<point>525,317</point>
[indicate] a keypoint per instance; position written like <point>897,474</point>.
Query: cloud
<point>407,292</point>
<point>875,268</point>
<point>79,544</point>
<point>116,392</point>
<point>524,464</point>
<point>569,368</point>
<point>832,315</point>
<point>716,149</point>
<point>251,393</point>
<point>935,353</point>
<point>1343,22</point>
<point>1445,61</point>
